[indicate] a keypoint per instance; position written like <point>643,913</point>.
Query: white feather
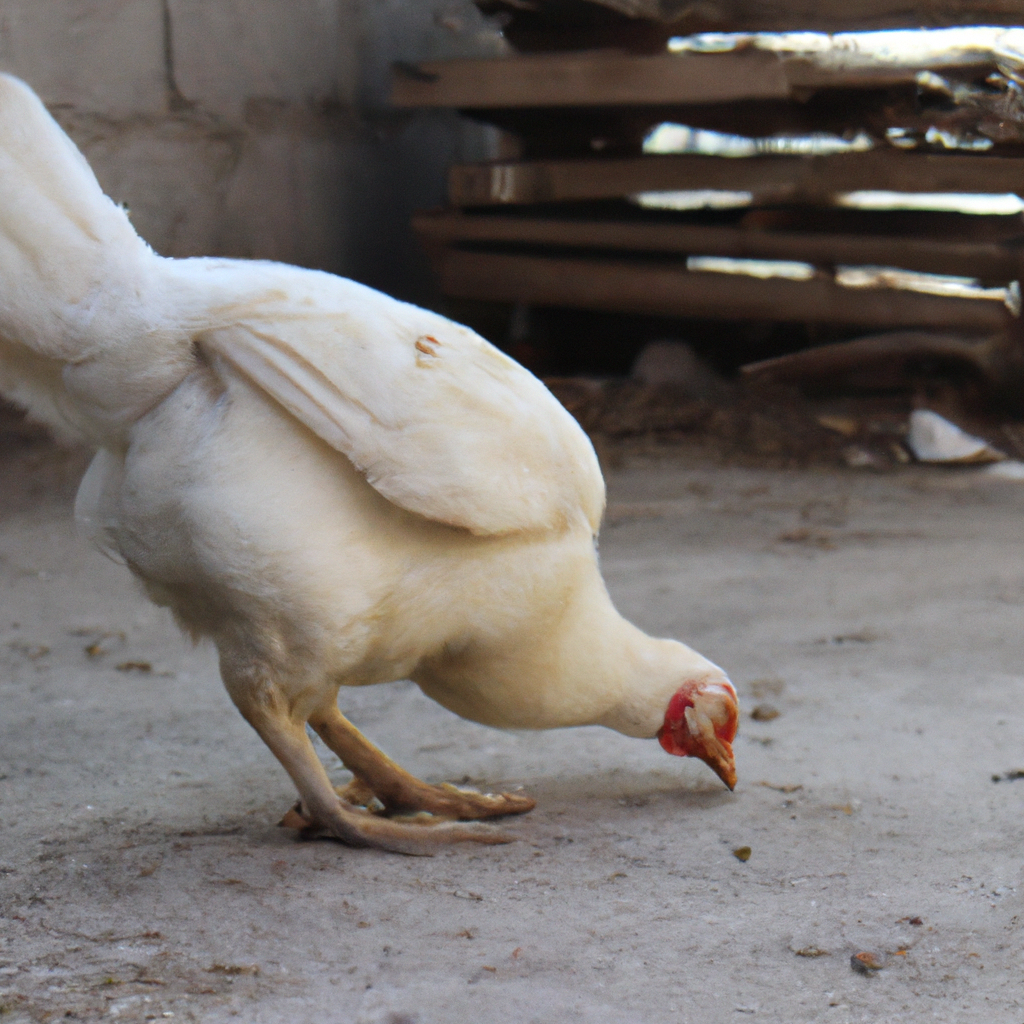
<point>440,422</point>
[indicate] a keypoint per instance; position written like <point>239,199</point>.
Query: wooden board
<point>594,78</point>
<point>549,23</point>
<point>771,179</point>
<point>989,261</point>
<point>634,287</point>
<point>547,133</point>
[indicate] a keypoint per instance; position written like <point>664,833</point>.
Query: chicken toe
<point>450,801</point>
<point>359,793</point>
<point>419,836</point>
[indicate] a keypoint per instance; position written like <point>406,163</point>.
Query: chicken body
<point>337,488</point>
<point>262,537</point>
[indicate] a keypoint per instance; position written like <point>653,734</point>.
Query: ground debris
<point>103,643</point>
<point>31,651</point>
<point>1010,776</point>
<point>811,952</point>
<point>742,853</point>
<point>858,457</point>
<point>747,425</point>
<point>861,636</point>
<point>866,962</point>
<point>805,535</point>
<point>773,424</point>
<point>764,713</point>
<point>233,969</point>
<point>932,438</point>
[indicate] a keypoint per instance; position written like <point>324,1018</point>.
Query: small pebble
<point>742,853</point>
<point>764,713</point>
<point>865,963</point>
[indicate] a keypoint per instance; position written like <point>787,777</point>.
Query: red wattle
<point>667,739</point>
<point>674,726</point>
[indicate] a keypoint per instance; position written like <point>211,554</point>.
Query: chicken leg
<point>266,708</point>
<point>395,788</point>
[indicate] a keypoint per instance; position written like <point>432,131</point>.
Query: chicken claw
<point>452,802</point>
<point>467,804</point>
<point>421,836</point>
<point>444,801</point>
<point>321,810</point>
<point>377,776</point>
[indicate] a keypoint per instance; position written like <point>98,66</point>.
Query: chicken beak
<point>723,764</point>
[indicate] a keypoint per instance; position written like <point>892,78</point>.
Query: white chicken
<point>337,488</point>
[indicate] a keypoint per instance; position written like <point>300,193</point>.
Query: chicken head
<point>701,721</point>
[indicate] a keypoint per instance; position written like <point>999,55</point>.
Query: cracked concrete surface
<point>142,876</point>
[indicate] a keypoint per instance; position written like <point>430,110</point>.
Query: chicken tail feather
<point>64,245</point>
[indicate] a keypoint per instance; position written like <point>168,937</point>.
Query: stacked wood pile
<point>562,221</point>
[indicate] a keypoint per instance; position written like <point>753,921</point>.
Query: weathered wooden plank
<point>849,15</point>
<point>989,261</point>
<point>557,23</point>
<point>634,287</point>
<point>771,179</point>
<point>594,78</point>
<point>590,78</point>
<point>845,15</point>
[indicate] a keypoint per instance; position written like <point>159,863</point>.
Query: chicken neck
<point>581,663</point>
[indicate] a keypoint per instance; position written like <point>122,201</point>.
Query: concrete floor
<point>142,876</point>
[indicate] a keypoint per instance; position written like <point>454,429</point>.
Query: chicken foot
<point>321,809</point>
<point>395,788</point>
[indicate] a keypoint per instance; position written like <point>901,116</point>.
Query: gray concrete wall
<point>256,128</point>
